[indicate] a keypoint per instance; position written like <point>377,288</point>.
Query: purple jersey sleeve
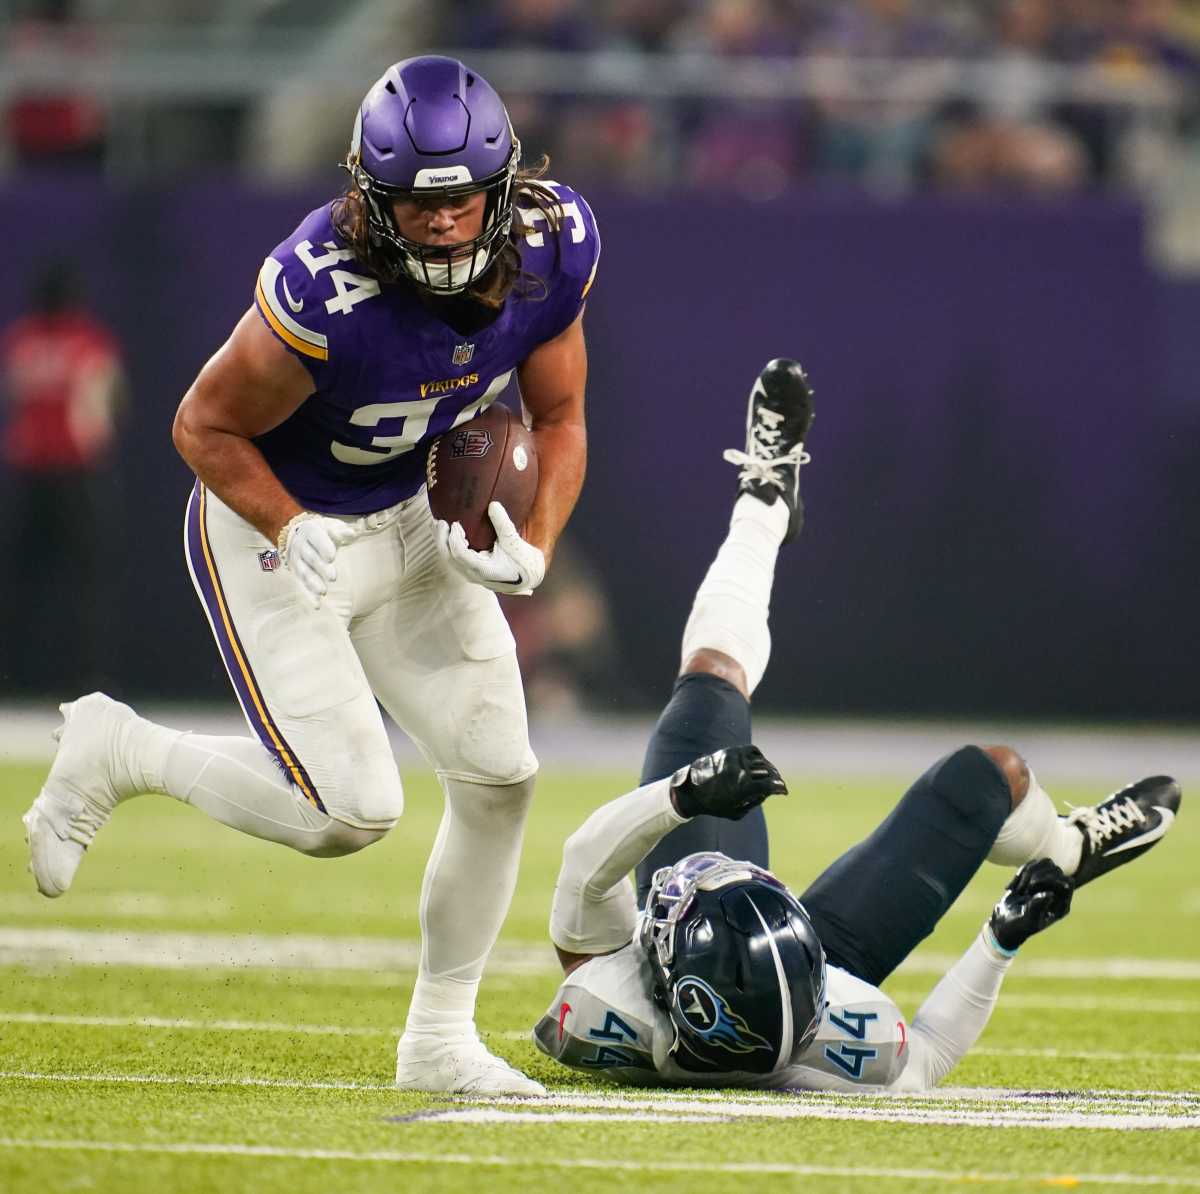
<point>305,288</point>
<point>565,259</point>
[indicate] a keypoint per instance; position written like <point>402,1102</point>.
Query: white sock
<point>441,1008</point>
<point>468,887</point>
<point>235,781</point>
<point>1035,830</point>
<point>730,610</point>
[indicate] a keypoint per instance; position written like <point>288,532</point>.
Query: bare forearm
<point>562,462</point>
<point>249,386</point>
<point>233,468</point>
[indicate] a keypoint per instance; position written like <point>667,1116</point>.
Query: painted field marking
<point>961,1107</point>
<point>170,951</point>
<point>1084,1054</point>
<point>1074,1003</point>
<point>143,905</point>
<point>193,1025</point>
<point>207,1149</point>
<point>189,1080</point>
<point>495,1115</point>
<point>341,1030</point>
<point>189,1025</point>
<point>989,1113</point>
<point>985,1094</point>
<point>21,946</point>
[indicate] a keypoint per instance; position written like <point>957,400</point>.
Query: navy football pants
<point>704,714</point>
<point>884,896</point>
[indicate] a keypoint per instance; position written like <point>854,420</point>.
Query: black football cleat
<point>778,416</point>
<point>1125,825</point>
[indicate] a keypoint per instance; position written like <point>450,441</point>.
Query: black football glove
<point>726,784</point>
<point>1038,895</point>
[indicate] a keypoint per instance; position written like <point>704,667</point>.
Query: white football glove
<point>307,547</point>
<point>512,566</point>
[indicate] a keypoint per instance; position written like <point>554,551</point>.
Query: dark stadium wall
<point>1003,498</point>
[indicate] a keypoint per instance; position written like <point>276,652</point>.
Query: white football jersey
<point>604,1021</point>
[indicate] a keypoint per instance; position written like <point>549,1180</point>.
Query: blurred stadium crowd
<point>914,121</point>
<point>754,96</point>
<point>748,100</point>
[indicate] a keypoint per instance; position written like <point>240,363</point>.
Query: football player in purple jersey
<point>726,978</point>
<point>392,314</point>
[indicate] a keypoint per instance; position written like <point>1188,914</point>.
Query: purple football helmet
<point>433,128</point>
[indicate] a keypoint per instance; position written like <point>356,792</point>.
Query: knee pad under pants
<point>297,677</point>
<point>705,714</point>
<point>882,897</point>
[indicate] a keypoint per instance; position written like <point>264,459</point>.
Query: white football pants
<point>397,626</point>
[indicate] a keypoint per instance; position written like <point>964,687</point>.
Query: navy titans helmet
<point>737,965</point>
<point>431,128</point>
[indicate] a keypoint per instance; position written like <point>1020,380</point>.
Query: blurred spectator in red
<point>57,127</point>
<point>62,381</point>
<point>1009,138</point>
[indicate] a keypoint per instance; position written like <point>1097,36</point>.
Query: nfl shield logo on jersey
<point>462,353</point>
<point>268,560</point>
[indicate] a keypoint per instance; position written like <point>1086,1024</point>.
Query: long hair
<point>502,278</point>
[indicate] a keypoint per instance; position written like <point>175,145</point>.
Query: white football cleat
<point>461,1065</point>
<point>85,784</point>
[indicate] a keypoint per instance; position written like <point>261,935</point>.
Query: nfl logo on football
<point>471,443</point>
<point>462,353</point>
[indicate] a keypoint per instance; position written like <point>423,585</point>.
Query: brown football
<point>491,458</point>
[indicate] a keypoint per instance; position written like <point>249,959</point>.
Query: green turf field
<point>134,1075</point>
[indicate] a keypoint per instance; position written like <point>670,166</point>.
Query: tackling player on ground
<point>726,978</point>
<point>388,317</point>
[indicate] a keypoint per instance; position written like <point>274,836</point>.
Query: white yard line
<point>991,1111</point>
<point>189,1080</point>
<point>142,905</point>
<point>1094,1110</point>
<point>169,951</point>
<point>1087,1054</point>
<point>193,1025</point>
<point>490,1160</point>
<point>1104,755</point>
<point>21,946</point>
<point>1113,1005</point>
<point>275,1026</point>
<point>495,1115</point>
<point>622,1097</point>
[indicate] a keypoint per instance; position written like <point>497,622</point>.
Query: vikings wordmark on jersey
<point>388,374</point>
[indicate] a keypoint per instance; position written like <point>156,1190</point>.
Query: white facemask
<point>451,277</point>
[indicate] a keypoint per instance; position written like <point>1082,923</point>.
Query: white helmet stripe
<point>785,994</point>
